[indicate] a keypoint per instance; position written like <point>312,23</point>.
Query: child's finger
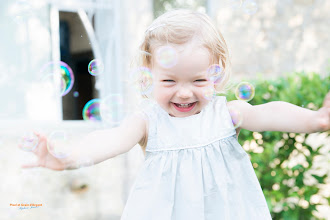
<point>39,135</point>
<point>36,132</point>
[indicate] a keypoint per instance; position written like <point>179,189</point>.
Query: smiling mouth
<point>186,107</point>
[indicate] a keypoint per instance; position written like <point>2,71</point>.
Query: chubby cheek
<point>162,96</point>
<point>203,96</point>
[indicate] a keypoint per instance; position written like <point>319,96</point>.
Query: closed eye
<point>200,80</point>
<point>168,80</point>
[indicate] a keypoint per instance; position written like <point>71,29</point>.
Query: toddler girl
<point>194,167</point>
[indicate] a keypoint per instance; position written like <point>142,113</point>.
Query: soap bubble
<point>209,93</point>
<point>61,73</point>
<point>166,56</point>
<point>244,91</point>
<point>95,67</point>
<point>112,109</point>
<point>142,80</point>
<point>29,141</point>
<point>214,73</point>
<point>236,116</point>
<point>91,110</point>
<point>59,143</point>
<point>75,94</point>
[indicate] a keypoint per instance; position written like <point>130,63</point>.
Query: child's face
<point>185,83</point>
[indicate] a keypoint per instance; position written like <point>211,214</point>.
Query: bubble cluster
<point>236,116</point>
<point>166,56</point>
<point>95,67</point>
<point>214,73</point>
<point>29,141</point>
<point>91,110</point>
<point>244,91</point>
<point>112,109</point>
<point>58,144</point>
<point>142,80</point>
<point>61,73</point>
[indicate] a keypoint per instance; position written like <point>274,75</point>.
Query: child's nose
<point>184,92</point>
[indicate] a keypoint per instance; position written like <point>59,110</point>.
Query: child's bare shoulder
<point>135,124</point>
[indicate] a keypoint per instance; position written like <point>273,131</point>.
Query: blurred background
<point>61,60</point>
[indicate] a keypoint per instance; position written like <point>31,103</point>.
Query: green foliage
<point>284,185</point>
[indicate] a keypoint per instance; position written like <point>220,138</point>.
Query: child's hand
<point>44,157</point>
<point>324,114</point>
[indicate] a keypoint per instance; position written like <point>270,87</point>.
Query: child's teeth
<point>184,105</point>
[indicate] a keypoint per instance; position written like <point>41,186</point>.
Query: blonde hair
<point>179,27</point>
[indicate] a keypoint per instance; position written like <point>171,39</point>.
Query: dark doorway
<point>76,51</point>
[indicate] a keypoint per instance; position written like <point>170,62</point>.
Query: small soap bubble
<point>142,80</point>
<point>209,93</point>
<point>166,56</point>
<point>91,110</point>
<point>112,109</point>
<point>61,74</point>
<point>29,141</point>
<point>244,91</point>
<point>95,67</point>
<point>250,7</point>
<point>236,116</point>
<point>214,73</point>
<point>58,143</point>
<point>75,94</point>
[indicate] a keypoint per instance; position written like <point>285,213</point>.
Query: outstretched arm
<point>283,116</point>
<point>97,146</point>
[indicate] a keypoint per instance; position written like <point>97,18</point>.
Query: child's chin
<point>183,114</point>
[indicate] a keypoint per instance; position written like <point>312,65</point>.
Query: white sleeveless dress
<point>195,169</point>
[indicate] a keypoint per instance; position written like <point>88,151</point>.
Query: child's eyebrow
<point>197,75</point>
<point>168,74</point>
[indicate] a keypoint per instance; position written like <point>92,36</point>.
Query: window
<point>76,51</point>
